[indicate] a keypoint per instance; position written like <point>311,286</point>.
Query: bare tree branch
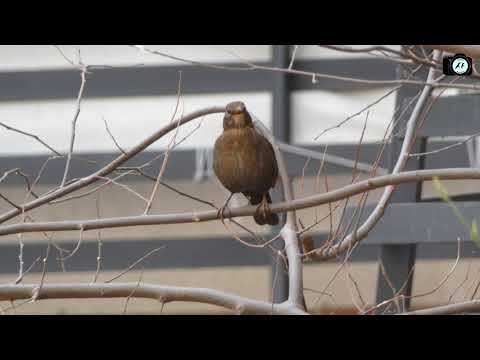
<point>164,294</point>
<point>470,50</point>
<point>289,230</point>
<point>135,263</point>
<point>446,147</point>
<point>296,204</point>
<point>107,169</point>
<point>402,159</point>
<point>33,136</point>
<point>463,307</point>
<point>314,75</point>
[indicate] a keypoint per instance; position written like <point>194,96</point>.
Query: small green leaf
<point>474,233</point>
<point>441,189</point>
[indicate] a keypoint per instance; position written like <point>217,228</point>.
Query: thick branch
<point>463,307</point>
<point>301,203</point>
<point>160,293</point>
<point>289,231</point>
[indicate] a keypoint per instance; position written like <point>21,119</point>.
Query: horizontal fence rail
<point>455,157</point>
<point>187,253</point>
<point>163,80</point>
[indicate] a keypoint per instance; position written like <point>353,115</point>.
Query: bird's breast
<point>242,161</point>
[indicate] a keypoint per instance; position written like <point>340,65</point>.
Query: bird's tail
<point>261,217</point>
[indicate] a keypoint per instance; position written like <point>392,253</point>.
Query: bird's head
<point>236,116</point>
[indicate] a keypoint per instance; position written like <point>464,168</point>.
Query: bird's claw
<point>263,209</point>
<point>221,212</point>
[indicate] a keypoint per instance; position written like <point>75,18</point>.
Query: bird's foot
<point>220,213</point>
<point>263,211</point>
<point>265,207</point>
<point>263,215</point>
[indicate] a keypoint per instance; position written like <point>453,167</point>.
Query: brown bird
<point>244,162</point>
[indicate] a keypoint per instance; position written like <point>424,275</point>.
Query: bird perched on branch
<point>244,162</point>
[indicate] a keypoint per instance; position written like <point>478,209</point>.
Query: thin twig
<point>360,111</point>
<point>112,137</point>
<point>83,72</point>
<point>168,151</point>
<point>74,251</point>
<point>436,151</point>
<point>133,292</point>
<point>99,240</point>
<point>33,136</point>
<point>44,271</point>
<point>135,263</point>
<point>292,60</point>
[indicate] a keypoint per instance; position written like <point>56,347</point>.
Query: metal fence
<point>411,227</point>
